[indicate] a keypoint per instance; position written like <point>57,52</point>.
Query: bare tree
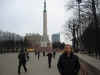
<point>85,26</point>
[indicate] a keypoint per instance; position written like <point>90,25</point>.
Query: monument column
<point>45,40</point>
<point>45,19</point>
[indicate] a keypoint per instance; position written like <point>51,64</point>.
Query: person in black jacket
<point>43,53</point>
<point>68,63</point>
<point>35,53</point>
<point>38,53</point>
<point>27,54</point>
<point>22,61</point>
<point>54,54</point>
<point>49,59</point>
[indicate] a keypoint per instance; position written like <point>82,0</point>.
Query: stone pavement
<point>9,63</point>
<point>89,64</point>
<point>90,60</point>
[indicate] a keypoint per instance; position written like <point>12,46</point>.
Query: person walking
<point>49,59</point>
<point>68,63</point>
<point>35,53</point>
<point>54,54</point>
<point>43,53</point>
<point>27,54</point>
<point>38,55</point>
<point>22,61</point>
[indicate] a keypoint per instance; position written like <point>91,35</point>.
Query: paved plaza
<point>9,63</point>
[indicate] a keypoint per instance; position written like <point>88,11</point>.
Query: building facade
<point>56,38</point>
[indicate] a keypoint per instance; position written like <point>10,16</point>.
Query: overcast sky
<point>24,16</point>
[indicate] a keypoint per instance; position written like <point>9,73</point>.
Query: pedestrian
<point>68,63</point>
<point>43,53</point>
<point>35,53</point>
<point>38,55</point>
<point>54,54</point>
<point>49,59</point>
<point>27,54</point>
<point>22,60</point>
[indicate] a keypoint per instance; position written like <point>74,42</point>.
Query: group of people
<point>49,54</point>
<point>68,63</point>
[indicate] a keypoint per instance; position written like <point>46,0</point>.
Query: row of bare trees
<point>84,27</point>
<point>29,41</point>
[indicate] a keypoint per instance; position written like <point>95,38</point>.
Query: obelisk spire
<point>45,20</point>
<point>44,5</point>
<point>45,39</point>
